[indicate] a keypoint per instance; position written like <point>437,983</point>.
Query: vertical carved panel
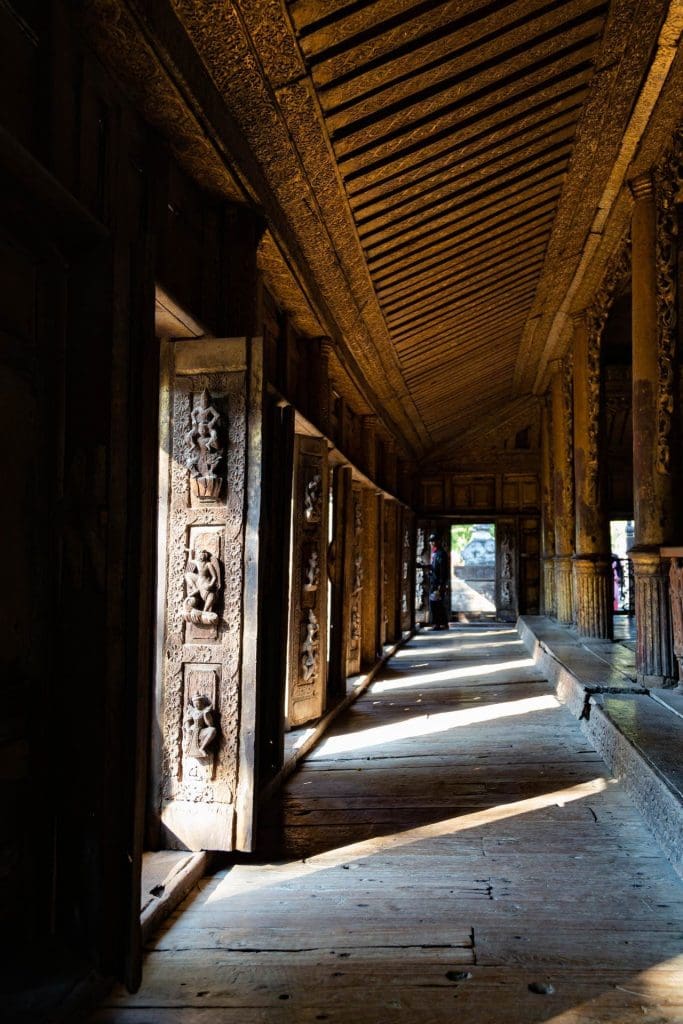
<point>308,597</point>
<point>568,467</point>
<point>354,644</point>
<point>668,180</point>
<point>203,606</point>
<point>676,603</point>
<point>406,571</point>
<point>596,318</point>
<point>390,590</point>
<point>422,577</point>
<point>506,570</point>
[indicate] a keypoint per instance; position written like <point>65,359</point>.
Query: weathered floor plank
<point>449,844</point>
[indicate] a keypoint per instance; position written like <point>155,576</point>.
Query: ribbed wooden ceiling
<point>452,126</point>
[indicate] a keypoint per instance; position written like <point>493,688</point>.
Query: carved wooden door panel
<point>208,672</point>
<point>507,587</point>
<point>307,669</point>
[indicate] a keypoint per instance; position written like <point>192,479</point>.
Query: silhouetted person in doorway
<point>438,583</point>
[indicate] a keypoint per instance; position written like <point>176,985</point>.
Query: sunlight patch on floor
<point>426,725</point>
<point>648,989</point>
<point>255,877</point>
<point>448,675</point>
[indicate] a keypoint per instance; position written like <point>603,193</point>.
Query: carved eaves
<point>257,116</point>
<point>634,106</point>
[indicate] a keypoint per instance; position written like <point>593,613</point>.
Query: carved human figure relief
<point>313,499</point>
<point>312,572</point>
<point>204,451</point>
<point>202,587</point>
<point>310,649</point>
<point>199,730</point>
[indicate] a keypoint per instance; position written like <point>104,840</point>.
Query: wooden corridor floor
<point>452,851</point>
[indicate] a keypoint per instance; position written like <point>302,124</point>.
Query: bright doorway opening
<point>473,570</point>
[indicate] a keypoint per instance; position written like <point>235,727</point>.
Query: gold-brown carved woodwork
<point>654,656</point>
<point>201,778</point>
<point>356,609</point>
<point>596,318</point>
<point>307,646</point>
<point>568,467</point>
<point>676,604</point>
<point>668,182</point>
<point>407,570</point>
<point>593,596</point>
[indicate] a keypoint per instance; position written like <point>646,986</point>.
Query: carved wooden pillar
<point>563,490</point>
<point>392,572</point>
<point>353,659</point>
<point>407,570</point>
<point>676,603</point>
<point>653,318</point>
<point>548,525</point>
<point>340,571</point>
<point>507,570</point>
<point>592,564</point>
<point>371,594</point>
<point>307,669</point>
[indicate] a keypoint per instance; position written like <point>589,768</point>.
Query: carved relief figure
<point>313,499</point>
<point>310,649</point>
<point>358,571</point>
<point>202,583</point>
<point>355,625</point>
<point>204,451</point>
<point>312,572</point>
<point>199,730</point>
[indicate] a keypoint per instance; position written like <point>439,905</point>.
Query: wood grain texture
<point>435,875</point>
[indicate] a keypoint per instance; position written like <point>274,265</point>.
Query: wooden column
<point>392,571</point>
<point>563,491</point>
<point>407,571</point>
<point>372,588</point>
<point>592,565</point>
<point>675,556</point>
<point>652,478</point>
<point>340,568</point>
<point>548,519</point>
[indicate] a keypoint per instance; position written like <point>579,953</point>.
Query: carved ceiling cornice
<point>633,109</point>
<point>250,109</point>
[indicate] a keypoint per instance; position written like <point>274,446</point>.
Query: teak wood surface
<point>449,844</point>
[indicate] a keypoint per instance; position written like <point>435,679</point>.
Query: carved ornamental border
<point>617,271</point>
<point>668,182</point>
